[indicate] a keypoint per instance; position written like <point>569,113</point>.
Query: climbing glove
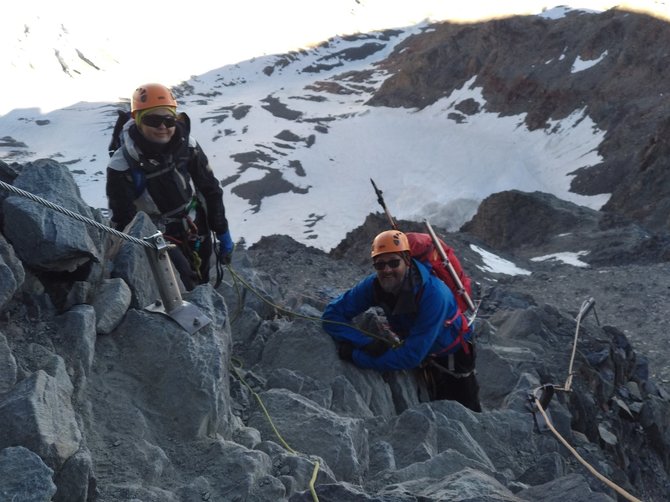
<point>225,246</point>
<point>345,351</point>
<point>376,348</point>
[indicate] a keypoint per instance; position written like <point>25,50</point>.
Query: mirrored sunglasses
<point>381,265</point>
<point>157,120</point>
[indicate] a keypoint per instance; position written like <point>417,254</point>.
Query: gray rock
<point>131,264</point>
<point>23,476</point>
<point>64,243</point>
<point>316,390</point>
<point>466,484</point>
<point>549,466</point>
<point>78,332</point>
<point>340,441</point>
<point>572,487</point>
<point>76,481</point>
<point>169,363</point>
<point>38,414</point>
<point>233,469</point>
<point>414,436</point>
<point>382,457</point>
<point>12,274</point>
<point>111,302</point>
<point>7,366</point>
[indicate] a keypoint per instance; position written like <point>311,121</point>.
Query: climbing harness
<point>540,398</point>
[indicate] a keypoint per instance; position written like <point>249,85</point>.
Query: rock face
<point>532,224</point>
<point>101,399</point>
<point>531,65</point>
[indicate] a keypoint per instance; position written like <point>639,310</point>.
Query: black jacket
<point>162,183</point>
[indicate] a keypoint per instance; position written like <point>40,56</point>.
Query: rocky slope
<point>102,399</point>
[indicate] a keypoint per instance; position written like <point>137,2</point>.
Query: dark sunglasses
<point>157,120</point>
<point>381,265</point>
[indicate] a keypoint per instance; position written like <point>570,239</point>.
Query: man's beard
<point>391,284</point>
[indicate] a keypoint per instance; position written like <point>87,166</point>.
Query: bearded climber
<point>421,312</point>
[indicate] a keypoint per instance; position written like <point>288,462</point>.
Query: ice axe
<point>447,264</point>
<point>380,199</point>
<point>438,246</point>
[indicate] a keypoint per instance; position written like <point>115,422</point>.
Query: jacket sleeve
<point>434,308</point>
<point>344,308</point>
<point>120,197</point>
<point>206,183</point>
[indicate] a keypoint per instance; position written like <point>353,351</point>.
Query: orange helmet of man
<point>390,241</point>
<point>151,96</point>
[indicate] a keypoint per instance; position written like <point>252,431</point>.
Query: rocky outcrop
<point>103,399</point>
<point>533,224</point>
<point>544,68</point>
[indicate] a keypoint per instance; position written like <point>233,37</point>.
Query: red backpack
<point>423,249</point>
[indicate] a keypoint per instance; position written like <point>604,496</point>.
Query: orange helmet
<point>150,96</point>
<point>390,241</point>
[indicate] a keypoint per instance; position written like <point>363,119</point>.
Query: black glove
<point>376,348</point>
<point>345,351</point>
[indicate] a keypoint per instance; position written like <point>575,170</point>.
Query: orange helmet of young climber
<point>151,96</point>
<point>389,241</point>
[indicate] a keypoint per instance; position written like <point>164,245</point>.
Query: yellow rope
<point>602,478</point>
<point>315,471</point>
<point>238,278</point>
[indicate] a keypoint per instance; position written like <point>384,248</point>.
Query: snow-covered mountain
<point>101,398</point>
<point>295,144</point>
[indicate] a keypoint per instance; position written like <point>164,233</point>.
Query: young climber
<point>161,170</point>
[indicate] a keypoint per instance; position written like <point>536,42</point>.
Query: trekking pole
<point>586,307</point>
<point>445,261</point>
<point>380,199</point>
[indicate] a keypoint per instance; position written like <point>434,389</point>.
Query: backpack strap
<point>465,327</point>
<point>460,339</point>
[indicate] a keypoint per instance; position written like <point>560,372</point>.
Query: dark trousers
<point>184,264</point>
<point>454,377</point>
<point>190,263</point>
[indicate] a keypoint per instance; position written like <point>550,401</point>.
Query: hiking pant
<point>191,265</point>
<point>454,377</point>
<point>183,263</point>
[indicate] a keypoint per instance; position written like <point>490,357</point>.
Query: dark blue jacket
<point>421,318</point>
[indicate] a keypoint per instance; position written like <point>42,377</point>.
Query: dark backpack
<point>115,142</point>
<point>423,249</point>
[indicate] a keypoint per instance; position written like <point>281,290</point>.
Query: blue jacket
<point>420,317</point>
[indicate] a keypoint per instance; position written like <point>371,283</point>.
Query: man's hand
<point>376,348</point>
<point>345,351</point>
<point>225,246</point>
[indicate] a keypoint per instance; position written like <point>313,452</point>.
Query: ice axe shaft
<point>380,199</point>
<point>450,267</point>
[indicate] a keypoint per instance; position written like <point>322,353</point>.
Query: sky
<point>137,41</point>
<point>416,168</point>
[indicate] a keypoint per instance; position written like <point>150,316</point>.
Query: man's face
<point>158,126</point>
<point>391,269</point>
